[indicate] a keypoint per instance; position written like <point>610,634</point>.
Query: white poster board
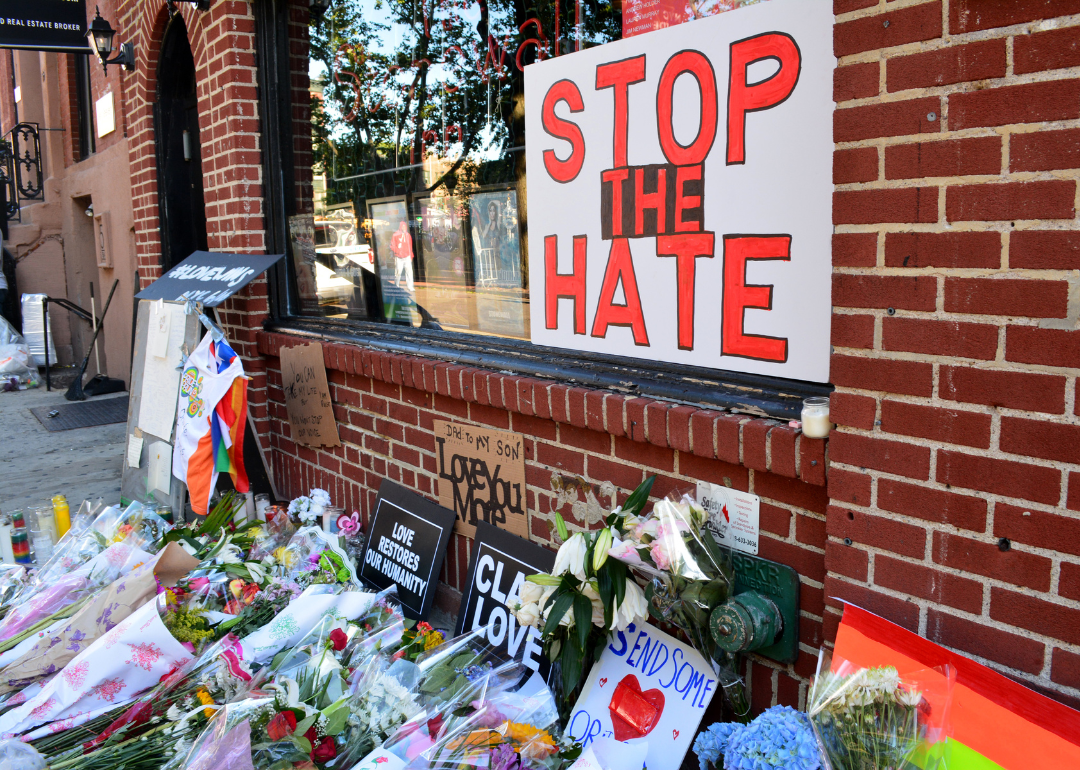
<point>680,193</point>
<point>659,684</point>
<point>165,334</point>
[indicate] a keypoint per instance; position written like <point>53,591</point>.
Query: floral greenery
<point>867,719</point>
<point>587,595</point>
<point>418,640</point>
<point>188,624</point>
<point>780,738</point>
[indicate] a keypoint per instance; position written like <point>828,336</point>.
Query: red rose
<point>311,735</point>
<point>339,639</point>
<point>281,726</point>
<point>325,751</point>
<point>434,725</point>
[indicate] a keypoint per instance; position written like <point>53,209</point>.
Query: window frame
<point>753,394</point>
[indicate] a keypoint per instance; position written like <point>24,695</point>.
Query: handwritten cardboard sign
<point>647,687</point>
<point>482,477</point>
<point>406,546</point>
<point>307,396</point>
<point>500,563</point>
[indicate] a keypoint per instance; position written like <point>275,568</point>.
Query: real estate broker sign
<point>680,193</point>
<point>47,25</point>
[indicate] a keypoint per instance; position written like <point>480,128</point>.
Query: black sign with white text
<point>44,25</point>
<point>209,277</point>
<point>500,563</point>
<point>406,546</point>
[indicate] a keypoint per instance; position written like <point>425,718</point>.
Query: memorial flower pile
<point>308,508</point>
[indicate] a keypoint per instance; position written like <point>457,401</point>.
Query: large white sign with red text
<point>680,193</point>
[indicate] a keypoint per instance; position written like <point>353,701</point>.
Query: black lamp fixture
<point>318,8</point>
<point>101,36</point>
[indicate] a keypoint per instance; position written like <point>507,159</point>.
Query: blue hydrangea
<point>712,742</point>
<point>780,738</point>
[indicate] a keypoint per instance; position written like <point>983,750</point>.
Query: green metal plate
<point>781,583</point>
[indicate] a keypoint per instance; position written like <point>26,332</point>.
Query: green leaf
<point>607,591</point>
<point>571,668</point>
<point>554,650</point>
<point>305,724</point>
<point>558,609</point>
<point>618,580</point>
<point>639,497</point>
<point>336,721</point>
<point>301,743</point>
<point>582,618</point>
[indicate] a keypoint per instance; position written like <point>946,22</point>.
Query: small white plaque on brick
<point>734,516</point>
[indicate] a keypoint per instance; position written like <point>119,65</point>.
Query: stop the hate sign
<point>680,193</point>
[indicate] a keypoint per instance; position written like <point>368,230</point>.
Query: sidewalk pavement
<point>36,464</point>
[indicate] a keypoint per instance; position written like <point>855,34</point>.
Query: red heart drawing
<point>634,713</point>
<point>603,681</point>
<point>675,735</point>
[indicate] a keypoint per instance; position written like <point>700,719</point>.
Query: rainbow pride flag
<point>227,423</point>
<point>995,723</point>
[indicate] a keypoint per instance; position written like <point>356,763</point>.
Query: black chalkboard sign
<point>44,25</point>
<point>406,546</point>
<point>500,563</point>
<point>209,277</point>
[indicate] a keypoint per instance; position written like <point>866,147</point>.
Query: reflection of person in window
<point>490,243</point>
<point>401,246</point>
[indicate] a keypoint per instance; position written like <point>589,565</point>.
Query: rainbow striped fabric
<point>994,723</point>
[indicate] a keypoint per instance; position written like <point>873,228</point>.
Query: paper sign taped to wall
<point>307,396</point>
<point>482,477</point>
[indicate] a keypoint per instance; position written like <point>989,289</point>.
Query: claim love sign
<point>647,687</point>
<point>680,193</point>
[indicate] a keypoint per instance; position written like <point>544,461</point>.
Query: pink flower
<point>199,583</point>
<point>659,556</point>
<point>625,551</point>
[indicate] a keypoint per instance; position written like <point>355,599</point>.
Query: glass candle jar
<point>815,417</point>
<point>262,502</point>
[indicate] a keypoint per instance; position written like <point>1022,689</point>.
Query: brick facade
<point>948,499</point>
<point>954,470</point>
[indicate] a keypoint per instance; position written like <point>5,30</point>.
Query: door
<point>176,124</point>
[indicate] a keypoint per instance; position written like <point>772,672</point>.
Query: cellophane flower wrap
<point>501,718</point>
<point>876,719</point>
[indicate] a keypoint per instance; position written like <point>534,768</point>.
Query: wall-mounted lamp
<point>318,8</point>
<point>101,36</point>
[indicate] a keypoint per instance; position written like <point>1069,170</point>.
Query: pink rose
<point>659,556</point>
<point>199,583</point>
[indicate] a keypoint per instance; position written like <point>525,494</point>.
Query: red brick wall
<point>385,406</point>
<point>955,328</point>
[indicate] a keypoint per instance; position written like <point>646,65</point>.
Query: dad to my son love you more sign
<point>680,193</point>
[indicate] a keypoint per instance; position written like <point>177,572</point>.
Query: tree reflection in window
<point>417,119</point>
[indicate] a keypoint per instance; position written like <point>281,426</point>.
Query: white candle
<point>815,417</point>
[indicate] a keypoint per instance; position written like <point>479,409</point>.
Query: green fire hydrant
<point>746,622</point>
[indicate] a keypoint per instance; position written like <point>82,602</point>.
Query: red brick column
<point>956,469</point>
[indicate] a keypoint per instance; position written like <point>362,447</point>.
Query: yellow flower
<point>533,743</point>
<point>434,639</point>
<point>285,557</point>
<point>204,698</point>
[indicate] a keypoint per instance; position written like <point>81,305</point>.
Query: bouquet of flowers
<point>874,719</point>
<point>308,508</point>
<point>587,595</point>
<point>499,720</point>
<point>780,737</point>
<point>417,640</point>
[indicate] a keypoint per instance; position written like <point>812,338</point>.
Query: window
<point>85,105</point>
<point>396,182</point>
<point>411,204</point>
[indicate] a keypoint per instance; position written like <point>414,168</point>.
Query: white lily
<point>571,557</point>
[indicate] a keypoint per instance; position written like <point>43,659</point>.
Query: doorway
<point>176,125</point>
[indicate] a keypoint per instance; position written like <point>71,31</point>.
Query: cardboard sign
<point>209,277</point>
<point>500,563</point>
<point>680,193</point>
<point>44,25</point>
<point>734,516</point>
<point>647,686</point>
<point>406,545</point>
<point>307,396</point>
<point>482,477</point>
